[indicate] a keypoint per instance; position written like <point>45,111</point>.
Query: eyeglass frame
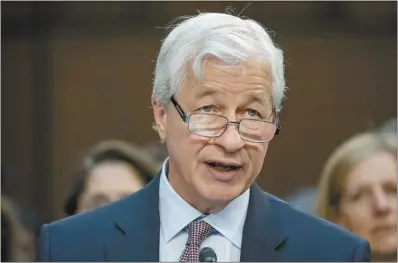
<point>185,117</point>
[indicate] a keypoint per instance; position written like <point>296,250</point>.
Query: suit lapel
<point>138,227</point>
<point>263,233</point>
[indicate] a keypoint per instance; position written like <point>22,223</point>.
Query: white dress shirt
<point>176,214</point>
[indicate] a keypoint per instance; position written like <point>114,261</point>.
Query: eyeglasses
<point>212,125</point>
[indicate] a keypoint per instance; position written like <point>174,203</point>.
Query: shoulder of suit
<point>104,214</point>
<point>301,222</point>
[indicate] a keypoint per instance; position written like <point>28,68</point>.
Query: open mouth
<point>223,167</point>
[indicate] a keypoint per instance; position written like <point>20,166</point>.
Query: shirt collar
<point>176,213</point>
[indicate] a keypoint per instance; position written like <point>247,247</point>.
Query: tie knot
<point>198,231</point>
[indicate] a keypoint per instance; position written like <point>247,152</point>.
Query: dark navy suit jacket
<point>128,230</point>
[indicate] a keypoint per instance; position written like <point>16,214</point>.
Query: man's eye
<point>253,113</point>
<point>206,109</point>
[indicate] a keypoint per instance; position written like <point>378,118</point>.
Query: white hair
<point>229,38</point>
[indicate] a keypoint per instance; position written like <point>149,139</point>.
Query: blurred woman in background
<point>10,250</point>
<point>111,170</point>
<point>157,151</point>
<point>358,190</point>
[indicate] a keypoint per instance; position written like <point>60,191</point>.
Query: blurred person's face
<point>198,166</point>
<point>368,206</point>
<point>108,182</point>
<point>27,244</point>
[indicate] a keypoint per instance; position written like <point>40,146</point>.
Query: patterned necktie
<point>197,232</point>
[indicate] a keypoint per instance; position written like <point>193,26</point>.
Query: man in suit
<point>218,89</point>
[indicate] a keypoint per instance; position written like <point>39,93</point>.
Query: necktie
<point>197,232</point>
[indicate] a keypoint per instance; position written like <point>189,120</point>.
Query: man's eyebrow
<point>257,99</point>
<point>205,92</point>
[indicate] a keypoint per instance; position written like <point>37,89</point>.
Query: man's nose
<point>230,140</point>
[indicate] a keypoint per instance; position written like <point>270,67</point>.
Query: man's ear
<point>160,116</point>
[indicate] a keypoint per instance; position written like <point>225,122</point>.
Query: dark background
<point>75,73</point>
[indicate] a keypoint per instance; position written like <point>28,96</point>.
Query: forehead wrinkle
<point>205,90</point>
<point>253,98</point>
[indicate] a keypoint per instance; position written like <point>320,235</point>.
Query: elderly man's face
<point>232,92</point>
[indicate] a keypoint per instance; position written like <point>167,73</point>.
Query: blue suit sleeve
<point>43,250</point>
<point>362,252</point>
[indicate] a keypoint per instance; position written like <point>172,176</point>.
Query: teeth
<point>221,167</point>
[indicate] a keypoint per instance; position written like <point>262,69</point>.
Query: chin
<point>221,193</point>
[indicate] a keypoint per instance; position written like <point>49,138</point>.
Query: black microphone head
<point>207,254</point>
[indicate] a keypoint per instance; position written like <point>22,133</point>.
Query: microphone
<point>207,254</point>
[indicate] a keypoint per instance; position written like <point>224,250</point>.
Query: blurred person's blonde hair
<point>158,151</point>
<point>10,250</point>
<point>342,161</point>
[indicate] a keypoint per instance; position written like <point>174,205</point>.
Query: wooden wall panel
<point>338,87</point>
<point>17,119</point>
<point>102,90</point>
